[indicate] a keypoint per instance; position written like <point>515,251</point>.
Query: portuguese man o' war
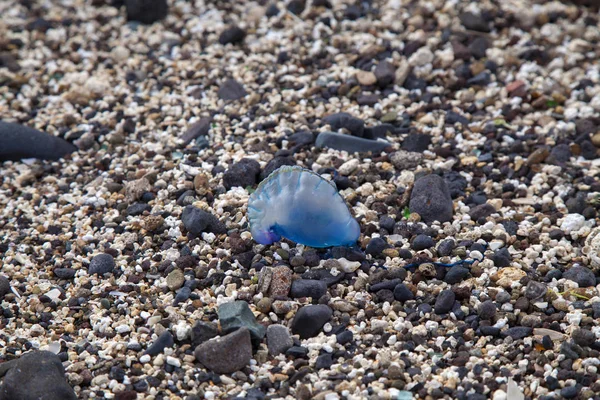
<point>298,204</point>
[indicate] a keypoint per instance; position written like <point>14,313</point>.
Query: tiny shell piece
<point>300,205</point>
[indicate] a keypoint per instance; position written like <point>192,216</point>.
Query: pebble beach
<point>463,137</point>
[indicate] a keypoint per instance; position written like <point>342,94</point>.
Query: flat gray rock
<point>19,141</point>
<point>351,144</point>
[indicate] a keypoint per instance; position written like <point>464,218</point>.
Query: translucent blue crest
<point>298,204</point>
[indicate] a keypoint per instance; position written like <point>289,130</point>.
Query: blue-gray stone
<point>101,264</point>
<point>236,315</point>
<point>351,144</point>
<point>164,340</point>
<point>309,320</point>
<point>430,198</point>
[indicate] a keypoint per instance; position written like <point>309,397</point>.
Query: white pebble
<point>145,359</point>
<point>174,361</point>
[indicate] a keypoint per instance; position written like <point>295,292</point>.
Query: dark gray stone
<point>376,246</point>
<point>349,143</point>
<point>146,11</point>
<point>416,142</point>
<point>164,340</point>
<point>203,331</point>
<point>501,258</point>
<point>535,290</point>
<point>18,142</point>
<point>355,126</point>
<point>274,164</point>
<point>233,35</point>
<point>231,90</point>
<point>101,264</point>
<point>445,247</point>
<point>197,129</point>
<point>481,211</point>
<point>385,73</point>
<point>236,315</point>
<point>403,293</point>
<point>37,375</point>
<point>63,273</point>
<point>309,320</point>
<point>243,174</point>
<point>583,337</point>
<point>444,302</point>
<point>308,288</point>
<point>456,274</point>
<point>278,339</point>
<point>226,354</point>
<point>559,155</point>
<point>582,275</point>
<point>422,242</point>
<point>518,332</point>
<point>487,310</point>
<point>430,198</point>
<point>197,221</point>
<point>474,22</point>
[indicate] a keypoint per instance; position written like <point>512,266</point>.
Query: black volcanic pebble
<point>444,302</point>
<point>244,173</point>
<point>146,11</point>
<point>101,264</point>
<point>233,35</point>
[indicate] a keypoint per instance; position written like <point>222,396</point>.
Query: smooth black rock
<point>197,221</point>
<point>444,302</point>
<point>101,264</point>
<point>489,330</point>
<point>146,11</point>
<point>430,198</point>
<point>569,392</point>
<point>323,275</point>
<point>274,164</point>
<point>403,293</point>
<point>344,337</point>
<point>456,274</point>
<point>231,90</point>
<point>233,35</point>
<point>456,183</point>
<point>308,288</point>
<point>481,79</point>
<point>487,310</point>
<point>18,142</point>
<point>417,142</point>
<point>296,6</point>
<point>309,320</point>
<point>445,247</point>
<point>62,273</point>
<point>138,209</point>
<point>376,246</point>
<point>349,143</point>
<point>197,129</point>
<point>518,332</point>
<point>582,275</point>
<point>9,61</point>
<point>356,126</point>
<point>164,340</point>
<point>36,375</point>
<point>297,352</point>
<point>244,173</point>
<point>203,331</point>
<point>422,242</point>
<point>324,361</point>
<point>389,285</point>
<point>349,253</point>
<point>453,117</point>
<point>501,258</point>
<point>481,211</point>
<point>183,294</point>
<point>474,22</point>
